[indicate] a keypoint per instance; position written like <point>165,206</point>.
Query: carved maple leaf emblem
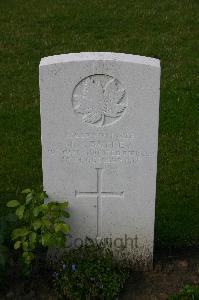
<point>97,101</point>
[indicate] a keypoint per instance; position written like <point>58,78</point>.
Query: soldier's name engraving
<point>89,149</point>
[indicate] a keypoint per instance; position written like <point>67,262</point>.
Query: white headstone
<point>99,128</point>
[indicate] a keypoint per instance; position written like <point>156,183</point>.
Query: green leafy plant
<point>89,272</point>
<point>41,225</point>
<point>189,292</point>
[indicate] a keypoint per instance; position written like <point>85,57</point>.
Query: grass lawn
<point>163,29</point>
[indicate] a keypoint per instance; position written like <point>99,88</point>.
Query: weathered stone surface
<point>99,122</point>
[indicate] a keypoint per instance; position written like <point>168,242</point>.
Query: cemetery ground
<point>171,273</point>
<point>165,30</point>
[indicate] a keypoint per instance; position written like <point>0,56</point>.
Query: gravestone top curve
<point>55,59</point>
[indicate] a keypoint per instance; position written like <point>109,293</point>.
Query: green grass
<point>188,292</point>
<point>162,29</point>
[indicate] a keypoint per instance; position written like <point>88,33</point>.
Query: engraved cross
<point>99,194</point>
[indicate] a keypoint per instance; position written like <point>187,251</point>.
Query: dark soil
<point>171,272</point>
